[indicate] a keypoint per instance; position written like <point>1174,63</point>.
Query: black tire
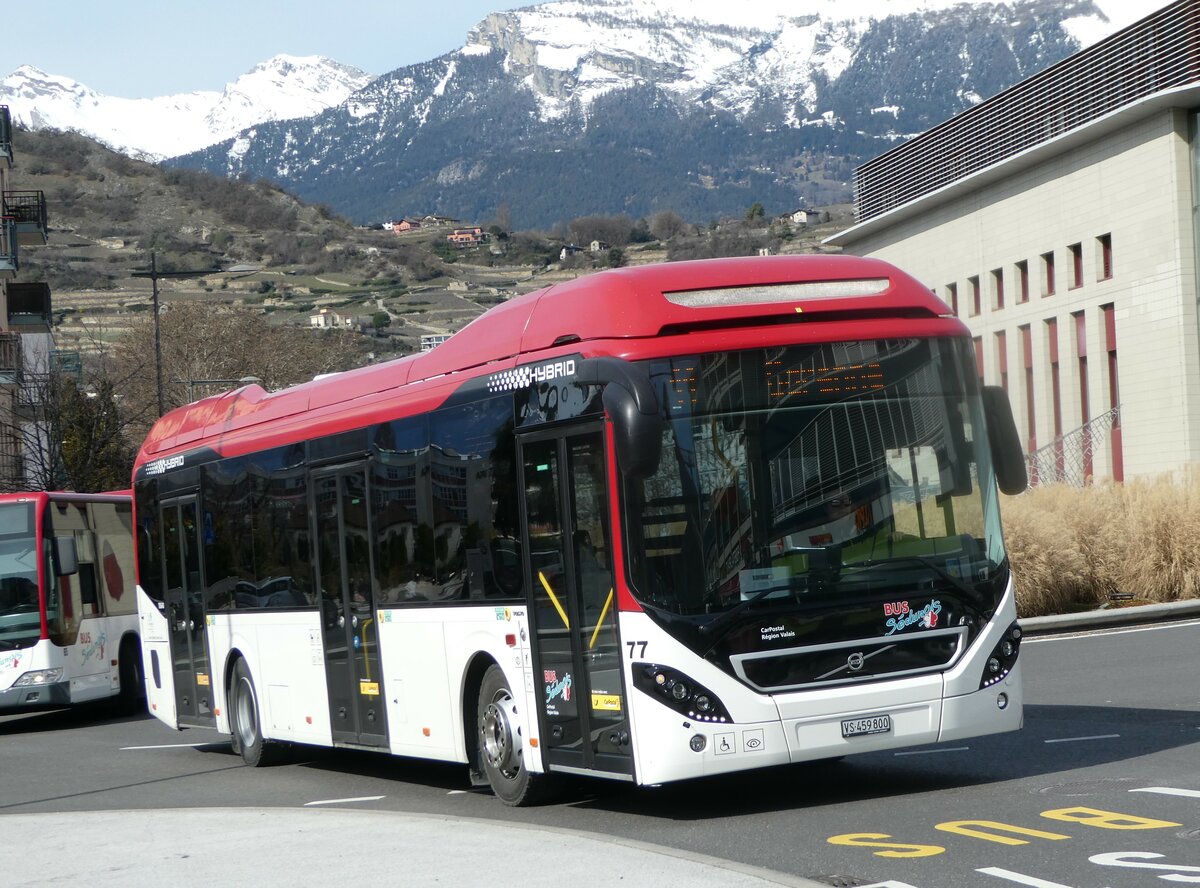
<point>500,742</point>
<point>132,697</point>
<point>244,721</point>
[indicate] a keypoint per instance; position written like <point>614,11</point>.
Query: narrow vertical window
<point>1022,281</point>
<point>1027,365</point>
<point>978,342</point>
<point>997,289</point>
<point>1048,274</point>
<point>1114,394</point>
<point>1076,251</point>
<point>1104,257</point>
<point>973,283</point>
<point>1055,395</point>
<point>952,297</point>
<point>1002,358</point>
<point>1085,413</point>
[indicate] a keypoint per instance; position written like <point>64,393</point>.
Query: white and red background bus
<point>68,611</point>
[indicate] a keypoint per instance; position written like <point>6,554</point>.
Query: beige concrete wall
<point>1134,186</point>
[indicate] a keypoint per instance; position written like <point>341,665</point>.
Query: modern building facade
<point>27,356</point>
<point>1058,219</point>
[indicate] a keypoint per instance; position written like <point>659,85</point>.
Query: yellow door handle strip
<point>600,622</point>
<point>554,599</point>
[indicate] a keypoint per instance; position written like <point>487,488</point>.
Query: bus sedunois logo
<point>522,377</point>
<point>164,465</point>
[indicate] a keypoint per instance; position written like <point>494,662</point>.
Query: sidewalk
<point>289,847</point>
<point>1116,616</point>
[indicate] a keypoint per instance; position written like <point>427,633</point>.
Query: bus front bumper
<point>35,697</point>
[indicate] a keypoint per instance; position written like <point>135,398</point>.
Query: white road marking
<point>932,751</point>
<point>173,745</point>
<point>1019,878</point>
<point>1081,739</point>
<point>344,801</point>
<point>1168,790</point>
<point>457,792</point>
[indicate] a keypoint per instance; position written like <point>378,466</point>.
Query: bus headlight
<point>1002,658</point>
<point>680,692</point>
<point>39,677</point>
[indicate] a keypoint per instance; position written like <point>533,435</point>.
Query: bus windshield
<point>820,475</point>
<point>20,615</point>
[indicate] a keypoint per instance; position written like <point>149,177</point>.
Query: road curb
<point>1120,616</point>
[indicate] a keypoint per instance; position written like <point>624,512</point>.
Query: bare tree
<point>201,341</point>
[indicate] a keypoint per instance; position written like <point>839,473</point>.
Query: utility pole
<point>154,274</point>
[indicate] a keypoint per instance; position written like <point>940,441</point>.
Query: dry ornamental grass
<point>1077,548</point>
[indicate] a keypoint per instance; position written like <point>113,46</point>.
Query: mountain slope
<point>642,105</point>
<point>283,87</point>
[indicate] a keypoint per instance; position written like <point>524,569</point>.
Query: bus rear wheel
<point>132,696</point>
<point>244,720</point>
<point>500,744</point>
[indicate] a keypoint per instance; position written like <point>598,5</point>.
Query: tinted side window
<point>149,539</point>
<point>282,552</point>
<point>113,523</point>
<point>401,508</point>
<point>472,476</point>
<point>226,532</point>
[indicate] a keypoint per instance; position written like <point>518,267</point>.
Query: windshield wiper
<point>916,559</point>
<point>725,617</point>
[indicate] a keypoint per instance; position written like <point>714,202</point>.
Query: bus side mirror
<point>66,560</point>
<point>630,400</point>
<point>1004,441</point>
<point>637,435</point>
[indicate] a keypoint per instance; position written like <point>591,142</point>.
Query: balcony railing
<point>28,210</point>
<point>1070,459</point>
<point>29,307</point>
<point>8,248</point>
<point>6,134</point>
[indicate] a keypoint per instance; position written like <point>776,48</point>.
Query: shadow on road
<point>78,716</point>
<point>1056,739</point>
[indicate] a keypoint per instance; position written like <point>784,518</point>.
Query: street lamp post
<point>154,274</point>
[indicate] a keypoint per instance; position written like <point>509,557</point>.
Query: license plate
<point>872,724</point>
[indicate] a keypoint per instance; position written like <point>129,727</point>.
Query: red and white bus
<point>650,524</point>
<point>68,613</point>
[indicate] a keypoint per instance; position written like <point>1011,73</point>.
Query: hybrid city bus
<point>650,524</point>
<point>68,612</point>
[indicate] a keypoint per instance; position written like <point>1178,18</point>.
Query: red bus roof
<point>625,304</point>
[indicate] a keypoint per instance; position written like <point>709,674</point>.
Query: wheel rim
<point>247,714</point>
<point>501,743</point>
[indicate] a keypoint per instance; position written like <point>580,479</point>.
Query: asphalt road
<point>1101,788</point>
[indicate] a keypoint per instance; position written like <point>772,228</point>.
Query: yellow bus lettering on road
<point>968,828</point>
<point>892,849</point>
<point>1106,819</point>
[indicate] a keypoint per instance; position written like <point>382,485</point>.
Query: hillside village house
<point>1059,221</point>
<point>326,319</point>
<point>27,354</point>
<point>467,237</point>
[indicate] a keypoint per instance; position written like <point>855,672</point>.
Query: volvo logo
<point>855,661</point>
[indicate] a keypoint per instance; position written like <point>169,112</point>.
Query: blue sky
<point>141,48</point>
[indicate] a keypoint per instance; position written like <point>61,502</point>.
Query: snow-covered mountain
<point>578,107</point>
<point>282,88</point>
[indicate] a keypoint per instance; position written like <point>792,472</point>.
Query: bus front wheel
<point>500,743</point>
<point>244,720</point>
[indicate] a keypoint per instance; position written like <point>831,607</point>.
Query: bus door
<point>184,598</point>
<point>583,713</point>
<point>357,712</point>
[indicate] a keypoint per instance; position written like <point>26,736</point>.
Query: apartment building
<point>1058,220</point>
<point>26,346</point>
